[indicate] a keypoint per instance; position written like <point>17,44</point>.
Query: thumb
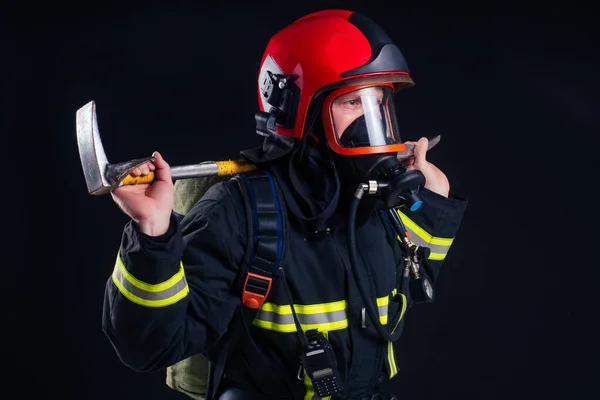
<point>421,151</point>
<point>163,170</point>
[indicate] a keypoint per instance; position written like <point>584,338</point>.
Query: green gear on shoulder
<point>189,191</point>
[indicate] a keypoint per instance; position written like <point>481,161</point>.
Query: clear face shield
<point>362,121</point>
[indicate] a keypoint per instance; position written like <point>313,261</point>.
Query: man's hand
<point>149,204</point>
<point>435,179</point>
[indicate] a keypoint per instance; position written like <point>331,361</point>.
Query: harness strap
<point>267,232</point>
<point>266,236</point>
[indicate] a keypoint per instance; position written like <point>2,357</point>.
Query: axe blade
<point>91,151</point>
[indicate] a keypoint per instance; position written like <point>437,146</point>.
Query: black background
<point>511,88</point>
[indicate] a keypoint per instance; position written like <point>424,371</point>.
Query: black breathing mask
<point>387,179</point>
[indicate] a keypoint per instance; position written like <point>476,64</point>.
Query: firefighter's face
<point>348,107</point>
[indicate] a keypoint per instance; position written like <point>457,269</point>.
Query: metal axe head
<point>100,175</point>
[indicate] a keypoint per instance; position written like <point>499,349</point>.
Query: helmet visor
<point>363,121</point>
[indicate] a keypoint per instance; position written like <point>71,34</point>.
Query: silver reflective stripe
<point>148,295</point>
<point>435,248</point>
<point>305,319</point>
<point>325,317</point>
<point>439,246</point>
<point>383,310</point>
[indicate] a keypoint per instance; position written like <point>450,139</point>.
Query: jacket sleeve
<point>171,297</point>
<point>435,225</point>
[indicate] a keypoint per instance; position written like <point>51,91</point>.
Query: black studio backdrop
<point>513,96</point>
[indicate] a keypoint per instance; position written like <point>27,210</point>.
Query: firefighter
<point>326,89</point>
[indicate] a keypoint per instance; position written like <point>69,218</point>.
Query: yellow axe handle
<point>136,180</point>
<point>230,167</point>
<point>233,167</point>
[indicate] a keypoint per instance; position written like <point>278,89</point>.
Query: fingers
<point>417,160</point>
<point>143,169</point>
<point>158,164</point>
<point>408,162</point>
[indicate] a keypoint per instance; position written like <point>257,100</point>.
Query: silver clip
<point>363,313</point>
<point>301,373</point>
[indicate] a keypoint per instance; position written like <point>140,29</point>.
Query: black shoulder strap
<point>267,247</point>
<point>268,229</point>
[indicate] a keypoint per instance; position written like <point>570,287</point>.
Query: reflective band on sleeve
<point>148,295</point>
<point>439,246</point>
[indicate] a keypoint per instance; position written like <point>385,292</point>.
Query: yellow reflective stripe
<point>159,287</point>
<point>287,328</point>
<point>324,317</point>
<point>305,308</point>
<point>391,354</point>
<point>382,305</point>
<point>149,295</point>
<point>383,301</point>
<point>392,360</point>
<point>436,256</point>
<point>439,246</point>
<point>401,312</point>
<point>310,390</point>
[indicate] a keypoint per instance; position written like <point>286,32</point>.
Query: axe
<point>101,176</point>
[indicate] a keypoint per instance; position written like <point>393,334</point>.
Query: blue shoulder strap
<point>266,226</point>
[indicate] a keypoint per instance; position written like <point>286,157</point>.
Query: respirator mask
<point>361,129</point>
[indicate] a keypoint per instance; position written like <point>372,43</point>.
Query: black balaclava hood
<point>306,173</point>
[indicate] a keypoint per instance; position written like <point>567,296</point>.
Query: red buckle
<point>261,287</point>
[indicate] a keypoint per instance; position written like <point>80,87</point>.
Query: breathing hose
<point>354,266</point>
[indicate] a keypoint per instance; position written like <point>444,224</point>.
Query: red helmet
<point>318,53</point>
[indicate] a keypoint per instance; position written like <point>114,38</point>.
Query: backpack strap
<point>266,226</point>
<point>268,230</point>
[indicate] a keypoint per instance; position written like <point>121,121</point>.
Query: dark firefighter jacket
<point>174,296</point>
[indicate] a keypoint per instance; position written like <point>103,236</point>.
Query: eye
<point>354,104</point>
